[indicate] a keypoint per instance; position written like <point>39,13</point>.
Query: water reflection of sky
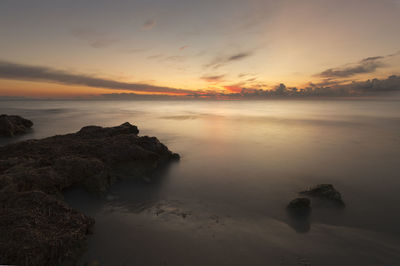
<point>242,162</point>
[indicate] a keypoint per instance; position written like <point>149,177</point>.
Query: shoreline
<point>34,173</point>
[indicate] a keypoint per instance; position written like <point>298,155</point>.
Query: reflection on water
<point>225,202</point>
<point>299,220</point>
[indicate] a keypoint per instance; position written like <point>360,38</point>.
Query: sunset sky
<point>69,48</point>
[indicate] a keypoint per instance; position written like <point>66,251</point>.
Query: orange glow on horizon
<point>39,89</point>
<point>233,89</point>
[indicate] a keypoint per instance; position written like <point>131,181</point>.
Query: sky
<point>63,48</point>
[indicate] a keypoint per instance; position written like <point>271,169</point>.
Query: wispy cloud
<point>166,58</point>
<point>173,58</point>
<point>15,71</point>
<point>149,24</point>
<point>328,82</point>
<point>220,61</point>
<point>155,56</point>
<point>213,78</point>
<point>238,56</point>
<point>94,38</point>
<point>367,65</point>
<point>251,79</point>
<point>134,50</point>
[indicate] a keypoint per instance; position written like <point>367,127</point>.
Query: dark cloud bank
<point>329,88</point>
<point>36,73</point>
<point>367,65</point>
<point>374,87</point>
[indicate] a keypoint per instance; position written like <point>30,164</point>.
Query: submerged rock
<point>36,226</point>
<point>299,203</point>
<point>11,125</point>
<point>325,191</point>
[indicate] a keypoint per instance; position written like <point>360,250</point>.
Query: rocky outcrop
<point>11,125</point>
<point>325,191</point>
<point>299,203</point>
<point>38,229</point>
<point>36,225</point>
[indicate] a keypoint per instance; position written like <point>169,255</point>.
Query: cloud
<point>94,38</point>
<point>213,78</point>
<point>328,82</point>
<point>166,58</point>
<point>149,24</point>
<point>223,60</point>
<point>15,71</point>
<point>134,50</point>
<point>394,54</point>
<point>348,88</point>
<point>156,56</point>
<point>375,87</point>
<point>173,58</point>
<point>371,59</point>
<point>367,65</point>
<point>238,56</point>
<point>234,88</point>
<point>391,84</point>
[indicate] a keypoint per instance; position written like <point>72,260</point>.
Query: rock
<point>325,191</point>
<point>176,156</point>
<point>38,229</point>
<point>299,203</point>
<point>96,131</point>
<point>11,125</point>
<point>36,226</point>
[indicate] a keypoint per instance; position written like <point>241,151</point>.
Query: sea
<point>242,162</point>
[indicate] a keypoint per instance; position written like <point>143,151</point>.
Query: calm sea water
<point>242,162</point>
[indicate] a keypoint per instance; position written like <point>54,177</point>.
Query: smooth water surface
<point>225,202</point>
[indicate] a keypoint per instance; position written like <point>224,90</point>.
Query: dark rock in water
<point>325,191</point>
<point>299,203</point>
<point>36,226</point>
<point>11,125</point>
<point>176,156</point>
<point>96,131</point>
